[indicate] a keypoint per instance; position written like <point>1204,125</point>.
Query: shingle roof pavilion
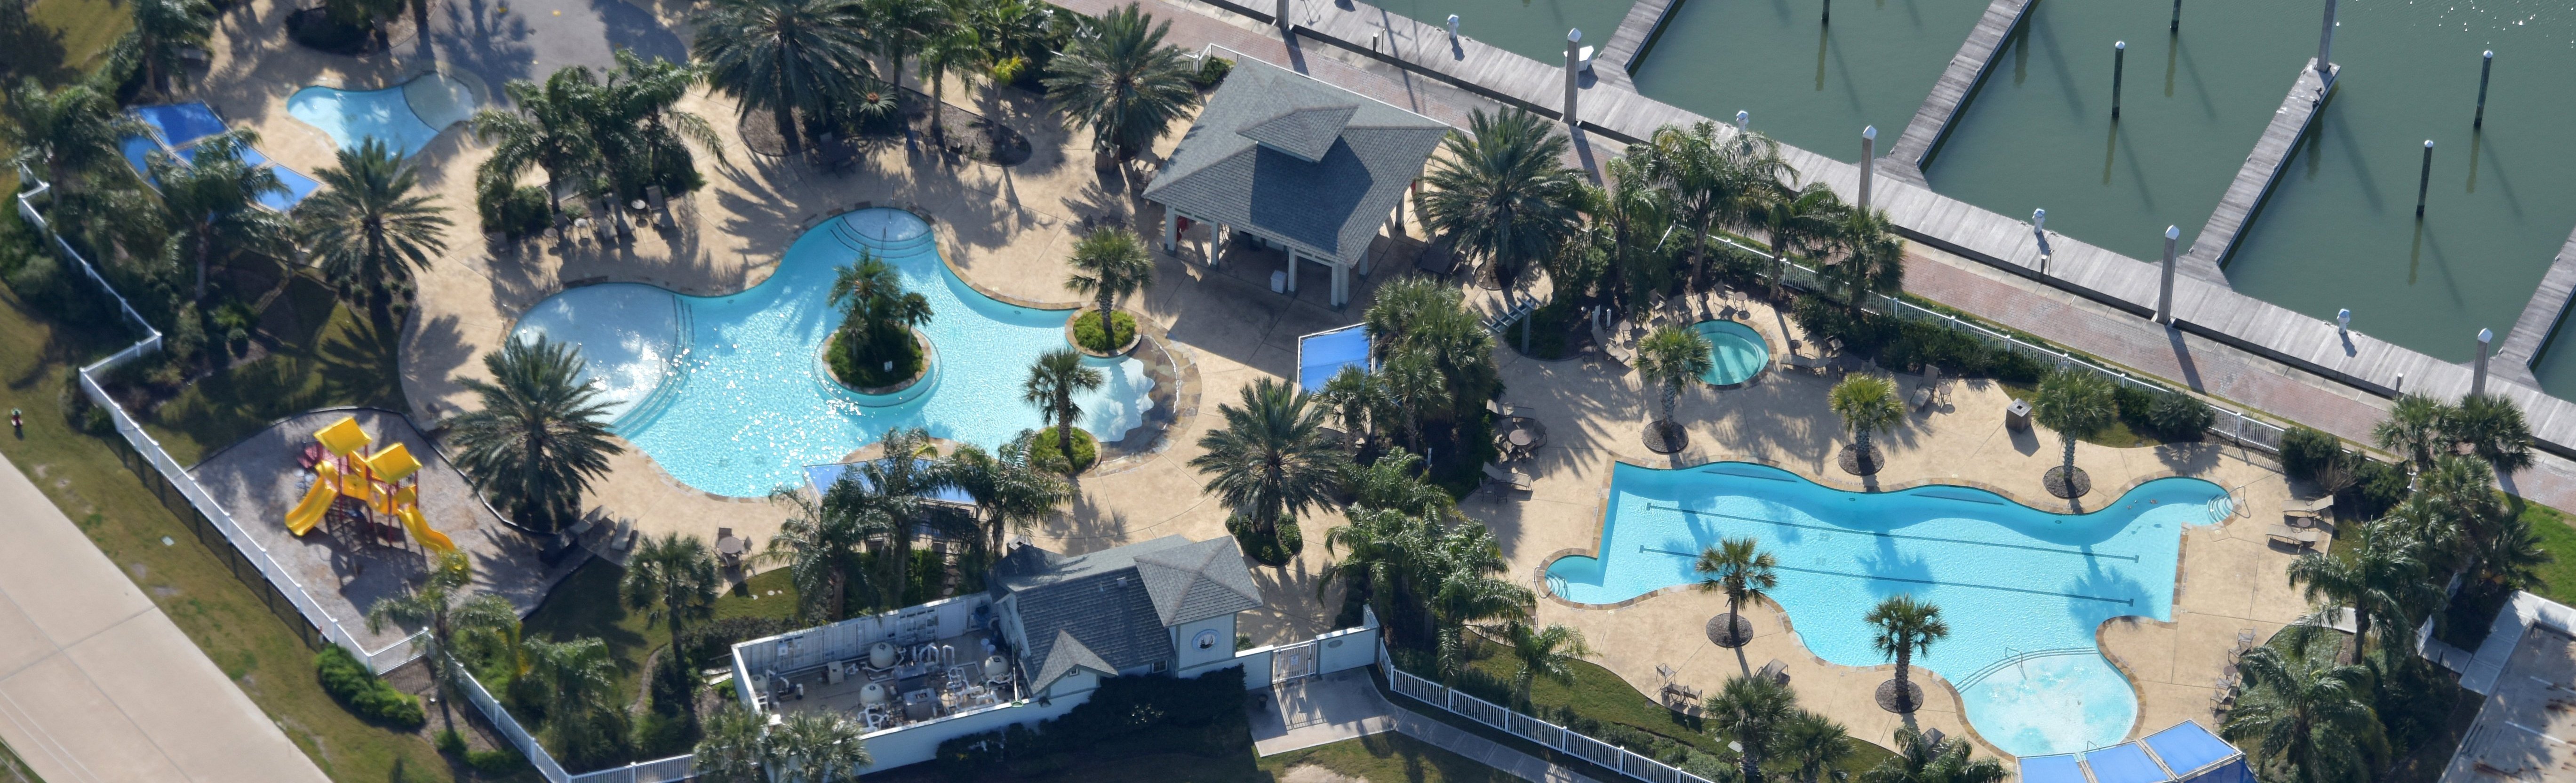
<point>1296,161</point>
<point>1111,610</point>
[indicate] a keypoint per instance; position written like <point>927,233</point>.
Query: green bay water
<point>2039,134</point>
<point>1810,85</point>
<point>1530,28</point>
<point>2339,230</point>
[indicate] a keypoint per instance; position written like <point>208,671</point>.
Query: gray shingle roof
<point>1198,581</point>
<point>1067,654</point>
<point>1109,614</point>
<point>1260,157</point>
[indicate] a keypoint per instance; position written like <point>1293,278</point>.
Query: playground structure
<point>385,484</point>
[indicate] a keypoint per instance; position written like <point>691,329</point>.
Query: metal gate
<point>1293,662</point>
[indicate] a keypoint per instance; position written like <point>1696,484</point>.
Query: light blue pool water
<point>1737,352</point>
<point>730,393</point>
<point>1322,355</point>
<point>405,118</point>
<point>2023,590</point>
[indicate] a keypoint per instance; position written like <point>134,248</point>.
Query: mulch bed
<point>1729,635</point>
<point>2066,484</point>
<point>1887,696</point>
<point>1666,437</point>
<point>1858,464</point>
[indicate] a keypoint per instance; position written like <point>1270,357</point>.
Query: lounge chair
<point>1776,670</point>
<point>2294,536</point>
<point>2308,509</point>
<point>1929,390</point>
<point>1508,477</point>
<point>661,207</point>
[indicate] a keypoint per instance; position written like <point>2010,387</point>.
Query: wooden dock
<point>1905,158</point>
<point>2530,337</point>
<point>2262,168</point>
<point>1635,36</point>
<point>2203,307</point>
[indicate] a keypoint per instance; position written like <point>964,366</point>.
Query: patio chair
<point>1929,390</point>
<point>1512,478</point>
<point>2296,538</point>
<point>2307,509</point>
<point>661,207</point>
<point>1776,670</point>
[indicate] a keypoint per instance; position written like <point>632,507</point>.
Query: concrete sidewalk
<point>97,685</point>
<point>1318,711</point>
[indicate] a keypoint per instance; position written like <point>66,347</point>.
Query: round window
<point>1207,639</point>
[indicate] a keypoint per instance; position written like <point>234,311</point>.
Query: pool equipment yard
<point>731,393</point>
<point>2023,590</point>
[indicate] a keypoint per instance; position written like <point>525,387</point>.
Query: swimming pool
<point>1736,352</point>
<point>2022,589</point>
<point>727,392</point>
<point>405,118</point>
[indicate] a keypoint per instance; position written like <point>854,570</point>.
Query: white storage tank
<point>872,694</point>
<point>881,656</point>
<point>994,666</point>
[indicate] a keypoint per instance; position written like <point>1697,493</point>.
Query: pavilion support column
<point>1171,229</point>
<point>1292,271</point>
<point>1341,285</point>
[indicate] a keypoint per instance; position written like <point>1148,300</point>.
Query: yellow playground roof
<point>395,463</point>
<point>343,437</point>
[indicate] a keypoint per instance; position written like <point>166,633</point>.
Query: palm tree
<point>1905,628</point>
<point>1462,565</point>
<point>1412,383</point>
<point>820,546</point>
<point>877,314</point>
<point>1109,263</point>
<point>1503,193</point>
<point>817,746</point>
<point>1122,83</point>
<point>952,49</point>
<point>2076,404</point>
<point>1388,554</point>
<point>2306,713</point>
<point>1919,760</point>
<point>1867,404</point>
<point>540,436</point>
<point>1753,710</point>
<point>1395,482</point>
<point>1549,652</point>
<point>163,31</point>
<point>1355,397</point>
<point>887,494</point>
<point>444,620</point>
<point>1631,215</point>
<point>1010,494</point>
<point>1013,34</point>
<point>786,56</point>
<point>69,130</point>
<point>366,227</point>
<point>1669,359</point>
<point>730,746</point>
<point>1872,259</point>
<point>580,681</point>
<point>2507,558</point>
<point>211,202</point>
<point>672,578</point>
<point>1714,182</point>
<point>1053,380</point>
<point>2383,581</point>
<point>1814,744</point>
<point>898,28</point>
<point>1741,570</point>
<point>1272,460</point>
<point>549,130</point>
<point>2414,430</point>
<point>2494,429</point>
<point>1798,222</point>
<point>640,126</point>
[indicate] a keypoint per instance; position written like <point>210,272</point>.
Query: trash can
<point>2017,415</point>
<point>1279,282</point>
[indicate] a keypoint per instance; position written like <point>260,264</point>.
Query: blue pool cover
<point>2124,763</point>
<point>822,477</point>
<point>180,123</point>
<point>178,128</point>
<point>2187,748</point>
<point>2060,768</point>
<point>1322,355</point>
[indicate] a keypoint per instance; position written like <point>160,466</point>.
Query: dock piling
<point>2325,42</point>
<point>1829,12</point>
<point>1573,71</point>
<point>2478,380</point>
<point>2164,290</point>
<point>2175,26</point>
<point>1868,163</point>
<point>2119,65</point>
<point>2486,68</point>
<point>2424,181</point>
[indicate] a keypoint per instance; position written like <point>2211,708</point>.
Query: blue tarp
<point>822,477</point>
<point>2188,748</point>
<point>2124,763</point>
<point>2051,769</point>
<point>1322,355</point>
<point>181,123</point>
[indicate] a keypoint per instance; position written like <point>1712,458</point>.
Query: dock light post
<point>2164,290</point>
<point>2478,381</point>
<point>1742,119</point>
<point>2424,181</point>
<point>1868,163</point>
<point>1573,71</point>
<point>2486,68</point>
<point>2039,232</point>
<point>2119,65</point>
<point>2325,44</point>
<point>2343,321</point>
<point>1453,27</point>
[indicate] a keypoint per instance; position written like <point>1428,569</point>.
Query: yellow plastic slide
<point>308,512</point>
<point>421,531</point>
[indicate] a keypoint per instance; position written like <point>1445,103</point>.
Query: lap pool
<point>2023,590</point>
<point>730,394</point>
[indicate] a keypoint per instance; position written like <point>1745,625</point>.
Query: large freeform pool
<point>2023,590</point>
<point>730,394</point>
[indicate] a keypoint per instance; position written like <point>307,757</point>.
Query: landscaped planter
<point>929,359</point>
<point>1129,347</point>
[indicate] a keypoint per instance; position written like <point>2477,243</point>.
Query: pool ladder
<point>1981,674</point>
<point>852,239</point>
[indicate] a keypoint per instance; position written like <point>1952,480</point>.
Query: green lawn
<point>586,604</point>
<point>327,355</point>
<point>60,40</point>
<point>1387,758</point>
<point>193,584</point>
<point>2558,538</point>
<point>13,770</point>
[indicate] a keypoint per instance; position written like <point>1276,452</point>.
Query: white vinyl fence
<point>1549,735</point>
<point>251,562</point>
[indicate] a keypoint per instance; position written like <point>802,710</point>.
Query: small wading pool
<point>1736,351</point>
<point>405,118</point>
<point>2023,590</point>
<point>727,392</point>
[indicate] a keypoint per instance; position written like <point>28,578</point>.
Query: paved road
<point>97,685</point>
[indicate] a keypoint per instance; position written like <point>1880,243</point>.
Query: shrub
<point>2305,450</point>
<point>713,641</point>
<point>358,689</point>
<point>517,213</point>
<point>1204,716</point>
<point>1212,72</point>
<point>1043,453</point>
<point>2174,415</point>
<point>318,28</point>
<point>2378,487</point>
<point>866,369</point>
<point>496,762</point>
<point>1269,550</point>
<point>1086,331</point>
